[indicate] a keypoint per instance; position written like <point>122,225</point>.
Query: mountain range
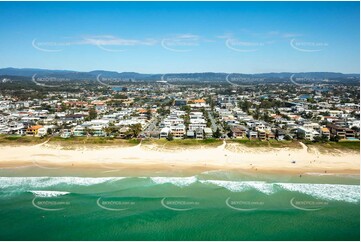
<point>205,76</point>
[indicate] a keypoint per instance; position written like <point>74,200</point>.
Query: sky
<point>177,37</point>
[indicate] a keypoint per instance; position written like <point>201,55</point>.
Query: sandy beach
<point>228,156</point>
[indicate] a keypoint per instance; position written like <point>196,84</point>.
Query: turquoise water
<point>213,205</point>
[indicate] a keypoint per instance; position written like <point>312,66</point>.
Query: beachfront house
<point>270,135</point>
<point>178,131</point>
<point>16,128</point>
<point>199,133</point>
<point>123,132</point>
<point>325,132</point>
<point>190,134</point>
<point>42,131</point>
<point>280,134</point>
<point>308,134</point>
<point>336,130</point>
<point>196,123</point>
<point>349,133</point>
<point>208,133</point>
<point>252,134</point>
<point>164,133</point>
<point>33,130</point>
<point>261,134</point>
<point>65,133</point>
<point>238,131</point>
<point>78,131</point>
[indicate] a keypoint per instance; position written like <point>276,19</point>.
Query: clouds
<point>242,41</point>
<point>181,42</point>
<point>110,40</point>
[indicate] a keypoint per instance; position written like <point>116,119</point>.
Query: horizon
<point>30,68</point>
<point>182,37</point>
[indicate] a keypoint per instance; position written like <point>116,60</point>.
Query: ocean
<point>45,204</point>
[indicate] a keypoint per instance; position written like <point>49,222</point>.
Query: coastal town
<point>180,120</point>
<point>160,110</point>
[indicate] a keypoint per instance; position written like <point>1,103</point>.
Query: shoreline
<point>191,160</point>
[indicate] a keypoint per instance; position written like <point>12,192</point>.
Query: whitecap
<point>49,193</point>
<point>177,181</point>
<point>41,182</point>
<point>240,186</point>
<point>335,192</point>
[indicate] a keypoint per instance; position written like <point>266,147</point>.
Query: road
<point>151,127</point>
<point>214,125</point>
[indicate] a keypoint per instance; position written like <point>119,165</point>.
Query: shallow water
<point>39,204</point>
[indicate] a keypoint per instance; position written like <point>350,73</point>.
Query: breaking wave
<point>332,192</point>
<point>49,193</point>
<point>42,182</point>
<point>177,181</point>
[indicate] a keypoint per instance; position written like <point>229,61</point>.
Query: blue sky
<point>173,37</point>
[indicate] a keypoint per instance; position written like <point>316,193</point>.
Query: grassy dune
<point>353,146</point>
<point>90,142</point>
<point>20,140</point>
<point>267,144</point>
<point>183,142</point>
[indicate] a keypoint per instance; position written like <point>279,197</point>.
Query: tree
<point>324,138</point>
<point>186,108</point>
<point>63,107</point>
<point>230,134</point>
<point>107,131</point>
<point>170,136</point>
<point>288,137</point>
<point>92,114</point>
<point>245,106</point>
<point>335,138</point>
<point>211,102</point>
<point>217,134</point>
<point>87,131</point>
<point>149,113</point>
<point>134,130</point>
<point>300,135</point>
<point>257,114</point>
<point>266,117</point>
<point>355,128</point>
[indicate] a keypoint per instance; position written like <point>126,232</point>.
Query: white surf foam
<point>239,186</point>
<point>177,181</point>
<point>335,192</point>
<point>41,182</point>
<point>232,186</point>
<point>331,192</point>
<point>49,193</point>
